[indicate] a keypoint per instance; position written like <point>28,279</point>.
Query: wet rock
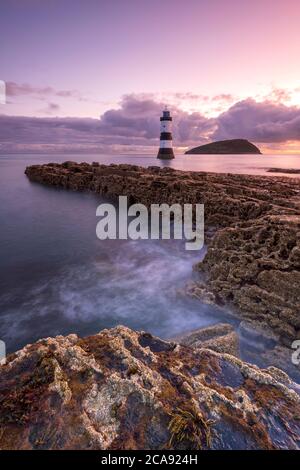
<point>221,337</point>
<point>257,335</point>
<point>199,290</point>
<point>73,393</point>
<point>154,344</point>
<point>260,345</point>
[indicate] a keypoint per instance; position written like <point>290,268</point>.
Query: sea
<point>57,277</point>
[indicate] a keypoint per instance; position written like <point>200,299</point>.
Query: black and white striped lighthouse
<point>165,147</point>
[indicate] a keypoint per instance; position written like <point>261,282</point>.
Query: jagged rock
<point>122,389</point>
<point>227,198</point>
<point>199,290</point>
<point>254,268</point>
<point>221,337</point>
<point>233,146</point>
<point>253,259</point>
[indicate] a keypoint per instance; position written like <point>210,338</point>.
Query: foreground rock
<point>234,146</point>
<point>121,389</point>
<point>253,222</point>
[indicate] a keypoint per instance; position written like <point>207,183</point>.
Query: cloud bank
<point>134,127</point>
<point>263,122</point>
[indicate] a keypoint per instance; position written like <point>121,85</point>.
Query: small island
<point>234,146</point>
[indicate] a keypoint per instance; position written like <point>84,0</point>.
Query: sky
<point>94,75</point>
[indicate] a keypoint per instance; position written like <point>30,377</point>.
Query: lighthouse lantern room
<point>166,148</point>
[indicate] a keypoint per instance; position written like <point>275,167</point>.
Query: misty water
<point>56,277</point>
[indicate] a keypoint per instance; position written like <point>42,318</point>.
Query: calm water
<point>56,277</point>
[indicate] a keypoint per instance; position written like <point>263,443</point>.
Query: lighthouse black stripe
<point>165,136</point>
<point>165,153</point>
<point>166,118</point>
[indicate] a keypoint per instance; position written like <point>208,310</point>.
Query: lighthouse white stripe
<point>165,144</point>
<point>165,126</point>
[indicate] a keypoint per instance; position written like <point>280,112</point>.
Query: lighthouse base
<point>165,154</point>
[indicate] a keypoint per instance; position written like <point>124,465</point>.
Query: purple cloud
<point>17,89</point>
<point>134,126</point>
<point>52,108</point>
<point>139,117</point>
<point>259,122</point>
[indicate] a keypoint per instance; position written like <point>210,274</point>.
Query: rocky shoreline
<point>252,265</point>
<point>122,389</point>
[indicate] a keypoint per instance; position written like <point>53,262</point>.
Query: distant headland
<point>234,146</point>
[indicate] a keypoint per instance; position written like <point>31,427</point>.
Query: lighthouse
<point>165,148</point>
